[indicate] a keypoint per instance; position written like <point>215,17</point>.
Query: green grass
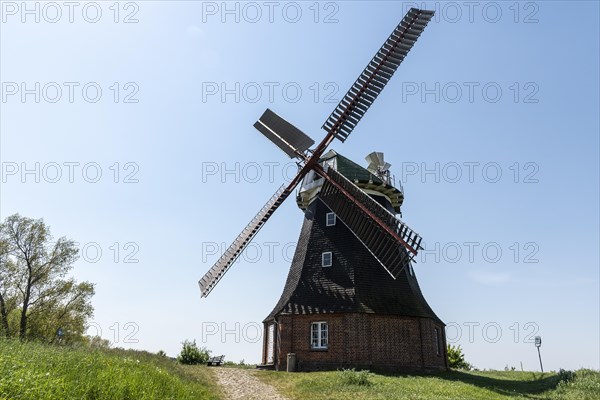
<point>453,385</point>
<point>39,372</point>
<point>31,371</point>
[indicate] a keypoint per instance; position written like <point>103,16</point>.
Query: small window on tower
<point>326,259</point>
<point>438,347</point>
<point>330,219</point>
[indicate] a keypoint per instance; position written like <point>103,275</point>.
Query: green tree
<point>67,307</point>
<point>33,282</point>
<point>456,358</point>
<point>7,295</point>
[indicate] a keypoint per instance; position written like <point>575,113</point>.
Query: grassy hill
<point>38,372</point>
<point>454,385</point>
<point>31,371</point>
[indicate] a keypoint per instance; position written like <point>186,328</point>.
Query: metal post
<point>538,344</point>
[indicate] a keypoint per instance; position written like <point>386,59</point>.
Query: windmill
<point>367,221</point>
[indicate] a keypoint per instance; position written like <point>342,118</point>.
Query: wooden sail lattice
<point>391,241</point>
<point>376,75</point>
<point>218,270</point>
<point>391,252</point>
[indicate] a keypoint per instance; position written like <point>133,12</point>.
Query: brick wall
<point>362,340</point>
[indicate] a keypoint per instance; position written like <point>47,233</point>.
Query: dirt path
<point>239,384</point>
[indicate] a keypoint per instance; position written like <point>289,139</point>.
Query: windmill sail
<point>286,136</point>
<point>376,162</point>
<point>376,75</point>
<point>391,250</point>
<point>388,239</point>
<point>214,275</point>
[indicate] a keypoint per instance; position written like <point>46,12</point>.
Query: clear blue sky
<point>494,88</point>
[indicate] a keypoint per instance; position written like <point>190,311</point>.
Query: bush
<point>456,358</point>
<point>96,342</point>
<point>161,353</point>
<point>353,377</point>
<point>565,375</point>
<point>191,354</point>
<point>583,384</point>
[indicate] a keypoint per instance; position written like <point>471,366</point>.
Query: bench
<point>217,360</point>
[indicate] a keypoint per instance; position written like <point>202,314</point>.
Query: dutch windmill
<point>387,245</point>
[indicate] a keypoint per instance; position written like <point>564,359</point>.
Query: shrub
<point>456,358</point>
<point>354,377</point>
<point>583,384</point>
<point>161,353</point>
<point>96,342</point>
<point>565,375</point>
<point>191,354</point>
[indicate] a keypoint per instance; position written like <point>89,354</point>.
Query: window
<point>330,219</point>
<point>330,163</point>
<point>326,259</point>
<point>437,341</point>
<point>318,335</point>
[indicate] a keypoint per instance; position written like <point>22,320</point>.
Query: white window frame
<point>327,216</point>
<point>323,255</point>
<point>436,338</point>
<point>319,331</point>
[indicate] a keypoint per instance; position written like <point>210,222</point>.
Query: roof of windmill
<point>350,169</point>
<point>355,283</point>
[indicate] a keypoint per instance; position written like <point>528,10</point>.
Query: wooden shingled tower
<point>351,298</point>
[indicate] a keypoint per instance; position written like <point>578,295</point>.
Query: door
<point>271,344</point>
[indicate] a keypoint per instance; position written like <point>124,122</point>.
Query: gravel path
<point>239,384</point>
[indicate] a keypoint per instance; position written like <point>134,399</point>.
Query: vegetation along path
<point>240,384</point>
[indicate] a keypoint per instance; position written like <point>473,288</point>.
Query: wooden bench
<point>217,360</point>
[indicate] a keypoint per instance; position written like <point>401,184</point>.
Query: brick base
<point>363,341</point>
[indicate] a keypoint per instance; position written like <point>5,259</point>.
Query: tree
<point>6,291</point>
<point>33,272</point>
<point>456,358</point>
<point>67,307</point>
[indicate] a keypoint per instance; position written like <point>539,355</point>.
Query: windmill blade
<point>377,163</point>
<point>214,275</point>
<point>286,136</point>
<point>375,158</point>
<point>391,241</point>
<point>378,72</point>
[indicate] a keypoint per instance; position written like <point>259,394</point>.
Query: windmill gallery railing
<point>391,181</point>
